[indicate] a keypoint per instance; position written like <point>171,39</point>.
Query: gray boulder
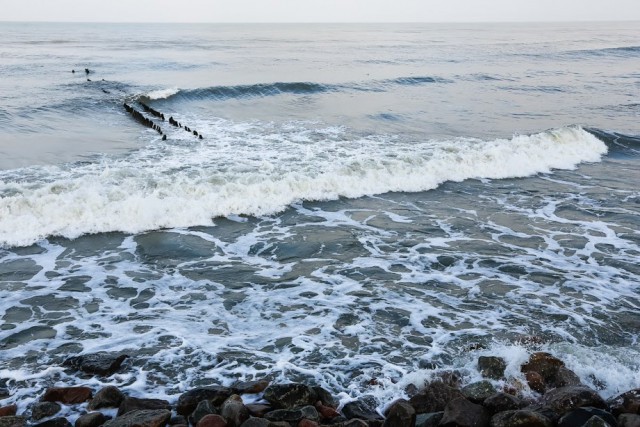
<point>462,413</point>
<point>188,401</point>
<point>107,397</point>
<point>580,416</point>
<point>54,422</point>
<point>629,420</point>
<point>520,418</point>
<point>564,399</point>
<point>141,418</point>
<point>500,402</point>
<point>204,408</point>
<point>401,414</point>
<point>362,409</point>
<point>434,397</point>
<point>429,420</point>
<point>97,363</point>
<point>293,416</point>
<point>130,404</point>
<point>13,421</point>
<point>256,422</point>
<point>234,411</point>
<point>42,410</point>
<point>626,403</point>
<point>92,419</point>
<point>286,396</point>
<point>478,392</point>
<point>492,367</point>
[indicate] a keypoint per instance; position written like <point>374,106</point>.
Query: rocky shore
<point>559,399</point>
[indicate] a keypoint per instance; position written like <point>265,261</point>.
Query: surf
<point>242,170</point>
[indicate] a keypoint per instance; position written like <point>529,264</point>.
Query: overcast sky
<point>318,10</point>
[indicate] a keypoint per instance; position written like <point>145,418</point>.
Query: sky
<point>318,10</point>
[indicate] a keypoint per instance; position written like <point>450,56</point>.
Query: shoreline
<point>550,395</point>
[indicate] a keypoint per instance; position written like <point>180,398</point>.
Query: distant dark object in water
<point>73,71</point>
<point>200,136</point>
<point>162,117</point>
<point>164,137</point>
<point>195,133</point>
<point>88,80</point>
<point>86,70</point>
<point>105,91</point>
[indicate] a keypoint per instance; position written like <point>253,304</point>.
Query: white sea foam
<point>252,170</point>
<point>162,93</point>
<point>369,304</point>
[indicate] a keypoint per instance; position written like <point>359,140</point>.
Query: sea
<point>369,206</point>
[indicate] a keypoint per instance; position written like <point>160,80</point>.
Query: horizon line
<point>586,21</point>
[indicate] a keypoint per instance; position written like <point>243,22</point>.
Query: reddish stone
<point>544,364</point>
<point>326,412</point>
<point>6,411</point>
<point>307,423</point>
<point>212,421</point>
<point>67,395</point>
<point>535,381</point>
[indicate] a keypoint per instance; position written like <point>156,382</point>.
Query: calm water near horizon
<point>367,202</point>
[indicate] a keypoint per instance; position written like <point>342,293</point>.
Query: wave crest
<point>243,169</point>
<point>279,88</point>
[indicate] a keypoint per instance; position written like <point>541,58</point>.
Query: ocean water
<point>370,205</point>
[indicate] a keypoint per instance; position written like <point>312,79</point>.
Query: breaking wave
<point>252,169</point>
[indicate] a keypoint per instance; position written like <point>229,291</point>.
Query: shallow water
<point>367,202</point>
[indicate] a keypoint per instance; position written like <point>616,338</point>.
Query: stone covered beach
<point>547,394</point>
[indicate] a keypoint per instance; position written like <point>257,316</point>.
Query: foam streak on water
<point>253,169</point>
<point>390,288</point>
<point>371,205</point>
